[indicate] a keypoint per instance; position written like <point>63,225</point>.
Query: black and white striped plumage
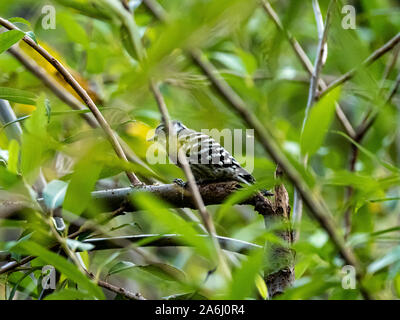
<point>208,160</point>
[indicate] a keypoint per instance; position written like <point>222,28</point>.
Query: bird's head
<point>161,131</point>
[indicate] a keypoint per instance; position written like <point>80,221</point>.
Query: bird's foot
<point>266,193</point>
<point>180,183</point>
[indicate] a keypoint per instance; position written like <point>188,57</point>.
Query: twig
<point>306,63</point>
<point>372,58</point>
<point>119,290</point>
<point>57,89</point>
<point>364,127</point>
<point>81,92</point>
<point>315,77</point>
<point>168,240</point>
<point>183,163</point>
<point>391,64</point>
<point>367,124</point>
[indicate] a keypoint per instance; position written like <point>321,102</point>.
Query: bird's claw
<point>180,183</point>
<point>266,193</point>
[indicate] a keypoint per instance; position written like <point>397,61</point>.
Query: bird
<point>208,160</point>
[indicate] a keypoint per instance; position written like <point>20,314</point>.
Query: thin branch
<point>183,163</point>
<point>315,77</point>
<point>367,124</point>
<point>81,92</point>
<point>372,58</point>
<point>391,64</point>
<point>320,57</point>
<point>119,290</point>
<point>56,88</point>
<point>68,99</point>
<point>306,63</point>
<point>169,240</point>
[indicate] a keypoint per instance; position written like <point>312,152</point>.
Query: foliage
<point>114,53</point>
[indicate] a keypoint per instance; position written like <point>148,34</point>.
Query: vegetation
<point>83,85</point>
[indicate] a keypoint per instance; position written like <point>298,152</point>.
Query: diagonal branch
<point>371,59</point>
<point>56,88</point>
<point>68,99</point>
<point>183,163</point>
<point>81,92</point>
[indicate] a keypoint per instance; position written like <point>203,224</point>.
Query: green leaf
<point>120,266</point>
<point>171,223</point>
<point>13,156</point>
<point>8,178</point>
<point>68,294</point>
<point>17,95</point>
<point>76,245</point>
<point>34,142</point>
<point>82,183</point>
<point>318,123</point>
<point>54,193</point>
<point>244,278</point>
<point>8,38</point>
<point>37,123</point>
<point>15,288</point>
<point>75,32</point>
<point>20,20</point>
<point>31,35</point>
<point>64,266</point>
<point>261,287</point>
<point>390,258</point>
